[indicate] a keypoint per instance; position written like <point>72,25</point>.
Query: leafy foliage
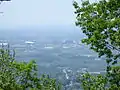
<point>101,82</point>
<point>93,82</point>
<point>100,22</point>
<point>16,75</point>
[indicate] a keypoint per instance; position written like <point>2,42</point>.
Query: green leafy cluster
<point>93,82</point>
<point>16,75</point>
<point>100,22</point>
<point>101,82</point>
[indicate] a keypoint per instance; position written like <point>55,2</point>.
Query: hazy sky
<point>18,13</point>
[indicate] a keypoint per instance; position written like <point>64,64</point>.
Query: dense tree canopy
<point>100,22</point>
<point>16,75</point>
